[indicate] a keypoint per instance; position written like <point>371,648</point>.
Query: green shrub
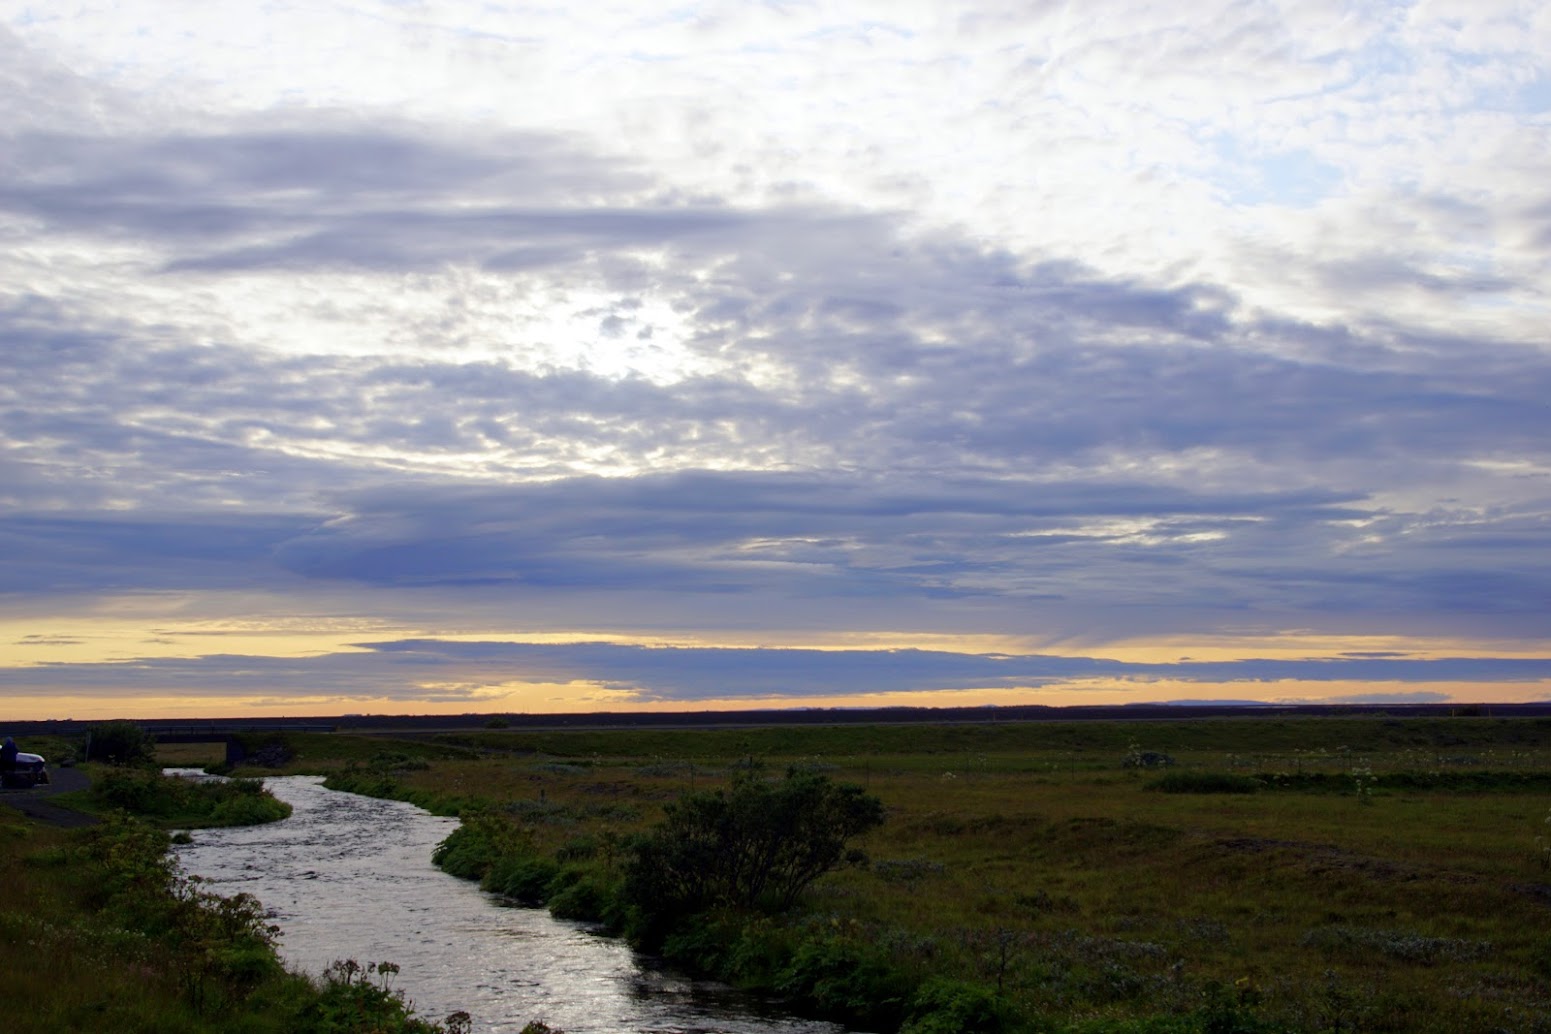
<point>588,896</point>
<point>700,947</point>
<point>944,1006</point>
<point>577,850</point>
<point>368,782</point>
<point>217,949</point>
<point>120,743</point>
<point>172,801</point>
<point>137,792</point>
<point>759,952</point>
<point>525,878</point>
<point>248,810</point>
<point>757,845</point>
<point>846,981</point>
<point>356,999</point>
<point>481,840</point>
<point>1205,782</point>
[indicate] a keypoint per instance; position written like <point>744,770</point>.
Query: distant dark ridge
<point>805,716</point>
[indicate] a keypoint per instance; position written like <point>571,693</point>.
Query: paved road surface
<point>35,803</point>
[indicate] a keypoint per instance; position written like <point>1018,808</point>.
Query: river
<point>351,877</point>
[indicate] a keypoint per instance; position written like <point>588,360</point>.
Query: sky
<point>381,356</point>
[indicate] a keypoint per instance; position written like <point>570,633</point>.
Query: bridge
<point>232,735</point>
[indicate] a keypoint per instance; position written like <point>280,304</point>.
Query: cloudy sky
<point>381,355</point>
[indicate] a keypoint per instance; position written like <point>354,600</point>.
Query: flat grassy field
<point>190,755</point>
<point>1315,874</point>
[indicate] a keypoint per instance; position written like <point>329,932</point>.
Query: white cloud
<point>1235,309</point>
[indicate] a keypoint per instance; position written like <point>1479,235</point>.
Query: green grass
<point>319,753</point>
<point>190,755</point>
<point>174,803</point>
<point>1383,875</point>
<point>102,933</point>
<point>1437,738</point>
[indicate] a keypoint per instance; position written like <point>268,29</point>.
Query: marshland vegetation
<point>1301,874</point>
<point>1202,875</point>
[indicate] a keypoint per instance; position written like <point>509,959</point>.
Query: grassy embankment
<point>103,932</point>
<point>1304,874</point>
<point>172,803</point>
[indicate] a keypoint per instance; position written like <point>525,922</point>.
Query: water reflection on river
<point>350,877</point>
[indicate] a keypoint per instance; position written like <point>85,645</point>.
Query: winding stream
<point>351,877</point>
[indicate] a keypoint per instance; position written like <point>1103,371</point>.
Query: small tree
<point>759,844</point>
<point>119,743</point>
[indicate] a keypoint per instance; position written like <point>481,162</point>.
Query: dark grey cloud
<point>678,673</point>
<point>267,176</point>
<point>377,199</point>
<point>144,553</point>
<point>801,549</point>
<point>799,535</point>
<point>433,670</point>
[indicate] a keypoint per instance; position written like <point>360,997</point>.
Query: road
<point>35,803</point>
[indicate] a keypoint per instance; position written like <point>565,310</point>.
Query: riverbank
<point>349,873</point>
<point>104,932</point>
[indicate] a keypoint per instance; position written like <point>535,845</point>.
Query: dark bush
<point>119,743</point>
<point>759,844</point>
<point>521,877</point>
<point>703,947</point>
<point>1206,782</point>
<point>587,896</point>
<point>845,981</point>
